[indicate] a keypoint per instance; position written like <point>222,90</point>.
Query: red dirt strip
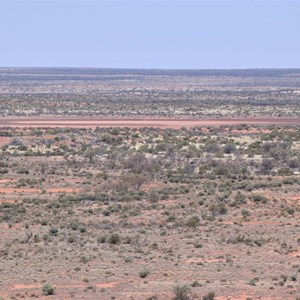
<point>93,122</point>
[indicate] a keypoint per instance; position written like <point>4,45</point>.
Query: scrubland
<point>150,212</point>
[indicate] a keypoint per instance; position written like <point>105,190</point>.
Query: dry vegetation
<point>199,93</point>
<point>130,213</point>
<point>147,213</point>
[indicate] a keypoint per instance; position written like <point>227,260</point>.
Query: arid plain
<point>135,184</point>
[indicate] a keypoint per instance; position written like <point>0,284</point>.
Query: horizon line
<point>150,69</point>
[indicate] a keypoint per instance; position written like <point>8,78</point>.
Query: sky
<point>150,34</point>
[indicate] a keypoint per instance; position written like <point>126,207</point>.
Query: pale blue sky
<point>150,34</point>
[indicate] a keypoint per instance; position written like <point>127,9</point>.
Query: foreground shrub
<point>193,221</point>
<point>259,198</point>
<point>144,273</point>
<point>182,292</point>
<point>209,296</point>
<point>48,289</point>
<point>114,239</point>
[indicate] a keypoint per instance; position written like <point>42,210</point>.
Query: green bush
<point>229,148</point>
<point>259,198</point>
<point>114,239</point>
<point>240,198</point>
<point>193,221</point>
<point>101,239</point>
<point>153,196</point>
<point>48,289</point>
<point>182,292</point>
<point>144,273</point>
<point>218,209</point>
<point>209,296</point>
<point>53,231</point>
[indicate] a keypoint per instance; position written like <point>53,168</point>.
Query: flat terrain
<point>93,122</point>
<point>128,213</point>
<point>149,184</point>
<point>149,93</point>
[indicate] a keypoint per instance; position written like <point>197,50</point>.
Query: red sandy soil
<point>25,286</point>
<point>257,223</point>
<point>296,254</point>
<point>209,260</point>
<point>295,198</point>
<point>6,180</point>
<point>94,122</point>
<point>245,296</point>
<point>8,201</point>
<point>4,140</point>
<point>37,286</point>
<point>34,190</point>
<point>36,289</point>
